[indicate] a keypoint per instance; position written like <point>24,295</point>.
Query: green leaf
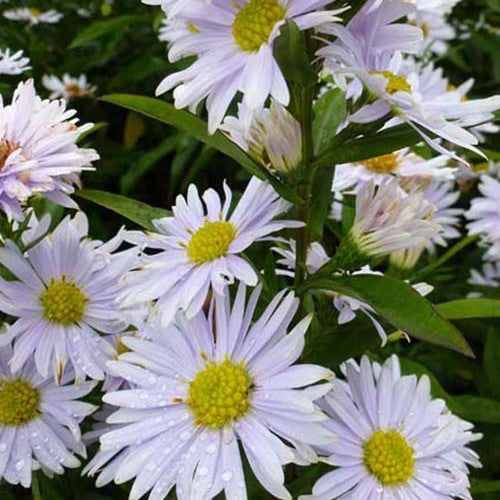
<point>400,305</point>
<point>384,142</point>
<point>320,202</point>
<point>136,211</point>
<point>291,53</point>
<point>470,308</point>
<point>479,485</point>
<point>329,111</point>
<point>101,28</point>
<point>478,409</point>
<point>195,126</point>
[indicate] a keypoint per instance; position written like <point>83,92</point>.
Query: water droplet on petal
<point>227,475</point>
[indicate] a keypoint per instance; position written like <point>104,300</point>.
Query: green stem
<point>444,258</point>
<point>307,98</point>
<point>35,487</point>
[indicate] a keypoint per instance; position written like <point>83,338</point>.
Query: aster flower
<point>489,275</point>
<point>63,296</point>
<point>395,440</point>
<point>13,63</point>
<point>446,217</point>
<point>200,246</point>
<point>388,220</point>
<point>346,306</point>
<point>38,151</point>
<point>402,164</point>
<point>484,216</point>
<point>233,42</point>
<point>272,136</point>
<point>39,422</point>
<point>204,385</point>
<point>369,50</point>
<point>68,87</point>
<point>33,15</point>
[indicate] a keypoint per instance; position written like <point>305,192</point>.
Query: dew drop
<point>227,475</point>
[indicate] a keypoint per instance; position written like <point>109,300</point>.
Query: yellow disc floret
<point>255,22</point>
<point>219,394</point>
<point>389,457</point>
<point>211,241</point>
<point>386,164</point>
<point>19,402</point>
<point>395,83</point>
<point>63,302</point>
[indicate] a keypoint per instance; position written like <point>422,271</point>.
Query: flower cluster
<point>211,332</point>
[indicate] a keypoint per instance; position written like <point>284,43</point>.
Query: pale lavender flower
<point>395,441</point>
<point>39,422</point>
<point>206,385</point>
<point>64,296</point>
<point>38,151</point>
<point>233,42</point>
<point>13,63</point>
<point>200,248</point>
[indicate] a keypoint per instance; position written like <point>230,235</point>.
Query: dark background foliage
<point>118,49</point>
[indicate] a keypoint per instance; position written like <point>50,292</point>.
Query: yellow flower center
<point>389,458</point>
<point>385,164</point>
<point>255,22</point>
<point>211,241</point>
<point>35,12</point>
<point>220,394</point>
<point>63,303</point>
<point>395,84</point>
<point>18,402</point>
<point>6,148</point>
<point>74,90</point>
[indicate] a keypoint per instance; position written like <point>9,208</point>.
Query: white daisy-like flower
<point>484,216</point>
<point>13,63</point>
<point>33,15</point>
<point>402,163</point>
<point>206,385</point>
<point>233,41</point>
<point>200,248</point>
<point>38,150</point>
<point>389,220</point>
<point>272,136</point>
<point>68,87</point>
<point>367,49</point>
<point>64,296</point>
<point>446,217</point>
<point>395,440</point>
<point>346,306</point>
<point>489,275</point>
<point>39,422</point>
<point>170,7</point>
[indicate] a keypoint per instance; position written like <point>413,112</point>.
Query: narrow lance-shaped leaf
<point>384,142</point>
<point>400,305</point>
<point>470,308</point>
<point>140,213</point>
